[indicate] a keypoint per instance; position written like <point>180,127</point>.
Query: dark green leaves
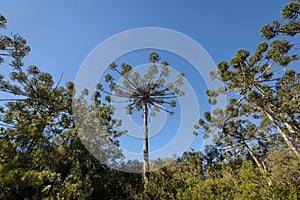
<point>291,27</point>
<point>154,57</point>
<point>3,21</point>
<point>270,31</point>
<point>291,10</point>
<point>108,78</point>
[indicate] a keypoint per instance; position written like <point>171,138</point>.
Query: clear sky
<point>61,33</point>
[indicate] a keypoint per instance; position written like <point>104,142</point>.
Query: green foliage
<point>148,94</point>
<point>262,114</point>
<point>256,137</point>
<point>291,27</point>
<point>261,88</point>
<point>150,89</point>
<point>41,154</point>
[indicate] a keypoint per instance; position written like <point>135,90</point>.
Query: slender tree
<point>148,94</point>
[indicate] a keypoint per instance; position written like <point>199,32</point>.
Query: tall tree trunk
<point>233,150</point>
<point>259,165</point>
<point>283,135</point>
<point>271,115</point>
<point>146,172</point>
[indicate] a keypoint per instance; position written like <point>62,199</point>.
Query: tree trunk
<point>289,126</point>
<point>233,150</point>
<point>283,135</point>
<point>259,165</point>
<point>270,115</point>
<point>146,172</point>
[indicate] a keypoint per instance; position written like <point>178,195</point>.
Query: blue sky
<point>62,33</point>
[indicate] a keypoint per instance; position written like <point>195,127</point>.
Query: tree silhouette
<point>148,94</point>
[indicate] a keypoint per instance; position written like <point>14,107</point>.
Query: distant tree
<point>149,94</point>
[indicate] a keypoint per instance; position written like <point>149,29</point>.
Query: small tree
<point>148,94</point>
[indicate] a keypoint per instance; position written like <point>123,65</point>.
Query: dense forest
<point>256,149</point>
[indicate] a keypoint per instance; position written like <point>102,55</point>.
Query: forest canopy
<point>256,148</point>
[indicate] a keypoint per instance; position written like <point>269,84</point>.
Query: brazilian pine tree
<point>148,94</point>
<point>41,155</point>
<point>263,86</point>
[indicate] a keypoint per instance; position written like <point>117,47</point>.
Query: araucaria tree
<point>264,106</point>
<point>41,154</point>
<point>148,94</point>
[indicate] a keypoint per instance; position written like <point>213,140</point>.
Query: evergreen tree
<point>263,88</point>
<point>148,93</point>
<point>41,154</point>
